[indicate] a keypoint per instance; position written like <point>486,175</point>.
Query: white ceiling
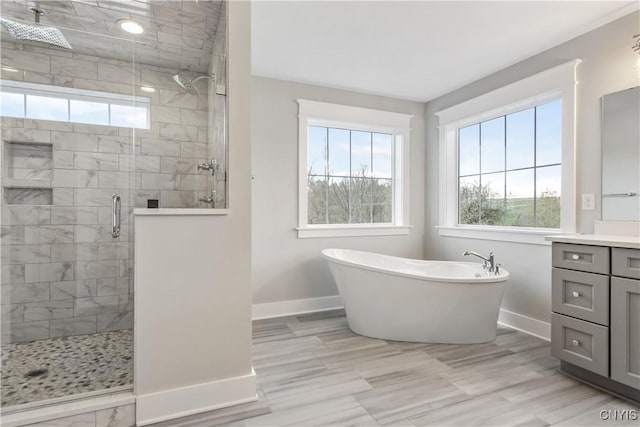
<point>412,50</point>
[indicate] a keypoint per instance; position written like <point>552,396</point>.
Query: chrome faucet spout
<point>467,253</point>
<point>489,262</point>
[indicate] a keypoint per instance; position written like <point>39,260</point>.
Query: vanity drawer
<point>625,262</point>
<point>581,295</point>
<point>593,259</point>
<point>580,343</point>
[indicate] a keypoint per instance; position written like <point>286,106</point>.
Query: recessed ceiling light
<point>130,26</point>
<point>12,70</point>
<point>147,89</point>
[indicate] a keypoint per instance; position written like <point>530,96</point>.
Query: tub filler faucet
<point>487,263</point>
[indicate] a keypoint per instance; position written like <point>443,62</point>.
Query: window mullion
<point>480,174</point>
<point>371,180</point>
<point>350,179</point>
<point>535,168</point>
<point>326,171</point>
<point>504,174</point>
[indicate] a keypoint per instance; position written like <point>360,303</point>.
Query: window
<point>509,169</point>
<point>353,171</point>
<point>349,176</point>
<point>507,160</point>
<point>63,104</point>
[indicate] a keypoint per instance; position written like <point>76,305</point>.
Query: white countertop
<point>632,242</point>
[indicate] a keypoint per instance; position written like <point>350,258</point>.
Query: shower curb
<point>67,408</point>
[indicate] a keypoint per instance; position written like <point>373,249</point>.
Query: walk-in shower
<point>77,130</point>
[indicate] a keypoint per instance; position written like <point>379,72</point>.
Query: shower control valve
<point>210,166</point>
<point>209,199</point>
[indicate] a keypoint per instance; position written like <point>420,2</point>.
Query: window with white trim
<point>507,160</point>
<point>63,104</point>
<point>509,169</point>
<point>353,171</point>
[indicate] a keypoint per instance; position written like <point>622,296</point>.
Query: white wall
<point>608,66</point>
<point>193,278</point>
<point>285,267</point>
<point>192,323</point>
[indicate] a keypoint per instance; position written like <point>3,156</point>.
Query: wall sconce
<point>636,44</point>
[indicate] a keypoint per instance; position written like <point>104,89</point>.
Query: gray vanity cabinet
<point>595,325</point>
<point>625,331</point>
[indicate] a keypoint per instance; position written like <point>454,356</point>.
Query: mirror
<point>621,155</point>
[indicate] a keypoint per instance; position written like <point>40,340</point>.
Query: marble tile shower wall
<point>62,271</point>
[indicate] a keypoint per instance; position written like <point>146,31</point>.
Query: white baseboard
<point>525,324</point>
<point>298,306</point>
<point>184,401</point>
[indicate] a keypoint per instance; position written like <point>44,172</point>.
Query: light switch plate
<point>588,202</point>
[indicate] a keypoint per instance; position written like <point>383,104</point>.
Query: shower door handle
<point>116,208</point>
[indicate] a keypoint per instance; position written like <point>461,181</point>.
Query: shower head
<point>187,84</point>
<point>35,32</point>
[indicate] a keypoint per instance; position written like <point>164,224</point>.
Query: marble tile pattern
<point>178,34</point>
<point>75,364</point>
<point>312,370</point>
<point>119,416</point>
<point>57,248</point>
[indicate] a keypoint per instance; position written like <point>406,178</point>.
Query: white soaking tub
<point>403,299</point>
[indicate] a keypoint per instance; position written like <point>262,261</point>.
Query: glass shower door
<point>69,122</point>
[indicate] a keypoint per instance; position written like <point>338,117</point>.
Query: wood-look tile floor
<point>313,371</point>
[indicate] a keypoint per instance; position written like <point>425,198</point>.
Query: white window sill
<point>530,236</point>
<point>352,231</point>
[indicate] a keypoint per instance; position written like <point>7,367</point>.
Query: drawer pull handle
<point>576,294</point>
<point>576,343</point>
<point>575,257</point>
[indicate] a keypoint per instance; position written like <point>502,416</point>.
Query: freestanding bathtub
<point>403,299</point>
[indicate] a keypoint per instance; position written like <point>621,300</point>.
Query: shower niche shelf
<point>28,196</point>
<point>27,173</point>
<point>28,164</point>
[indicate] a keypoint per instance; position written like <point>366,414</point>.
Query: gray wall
<point>285,267</point>
<point>608,66</point>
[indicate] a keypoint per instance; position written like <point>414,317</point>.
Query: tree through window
<point>349,176</point>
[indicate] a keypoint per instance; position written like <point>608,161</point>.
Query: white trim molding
<point>353,231</point>
<point>292,307</point>
<point>525,324</point>
<point>364,119</point>
<point>500,234</point>
<point>180,402</point>
<point>556,83</point>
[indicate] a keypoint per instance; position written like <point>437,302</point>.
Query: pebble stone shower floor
<point>76,364</point>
